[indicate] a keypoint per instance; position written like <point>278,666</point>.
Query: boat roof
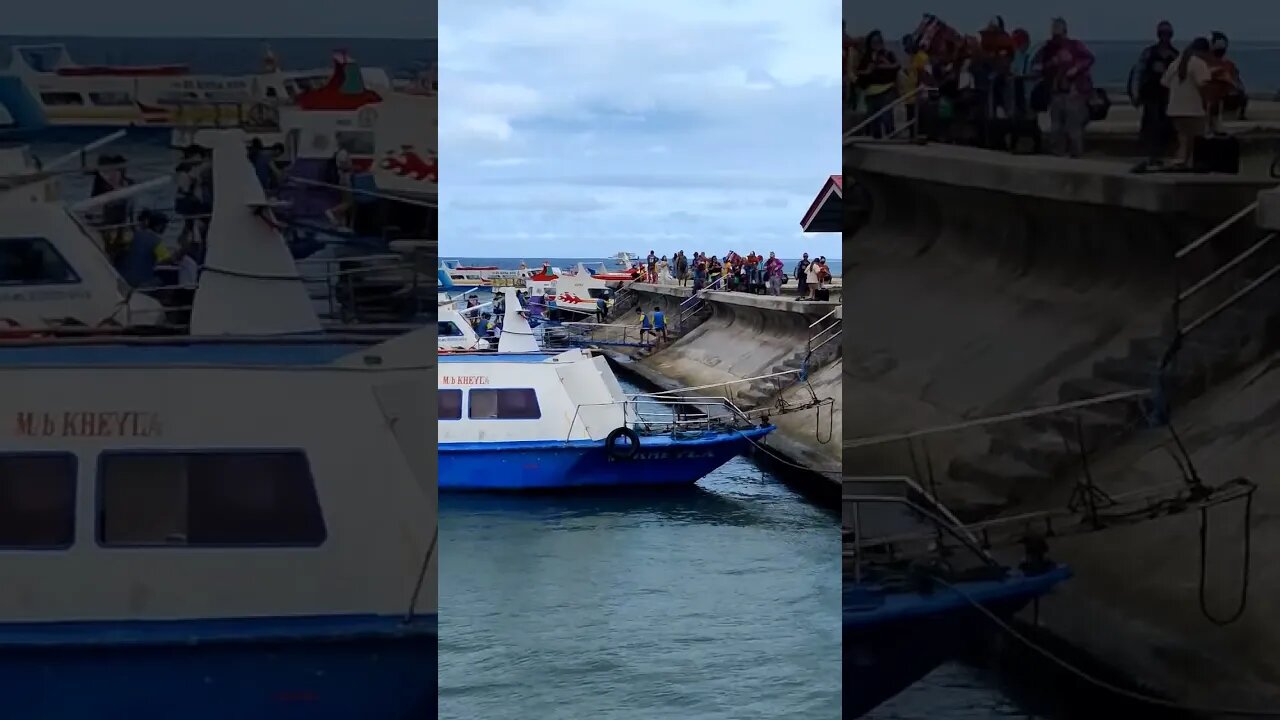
<point>500,357</point>
<point>278,353</point>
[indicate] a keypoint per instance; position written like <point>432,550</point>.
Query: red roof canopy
<point>826,214</point>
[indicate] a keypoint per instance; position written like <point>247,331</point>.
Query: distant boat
<point>44,91</point>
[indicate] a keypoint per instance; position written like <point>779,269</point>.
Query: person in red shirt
<point>1225,91</point>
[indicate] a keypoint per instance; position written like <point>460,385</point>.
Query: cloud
<point>702,123</point>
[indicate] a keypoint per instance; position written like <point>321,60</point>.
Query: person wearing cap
<point>1147,91</point>
<point>802,277</point>
<point>1225,91</point>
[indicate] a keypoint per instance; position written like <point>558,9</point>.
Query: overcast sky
<point>1090,19</point>
<point>206,18</point>
<point>585,127</point>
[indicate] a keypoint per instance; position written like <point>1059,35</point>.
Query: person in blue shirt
<point>264,166</point>
<point>659,324</point>
<point>137,265</point>
<point>645,327</point>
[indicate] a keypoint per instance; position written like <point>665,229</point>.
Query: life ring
<point>621,452</point>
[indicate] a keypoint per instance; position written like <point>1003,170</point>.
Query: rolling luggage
<point>1216,154</point>
<point>822,294</point>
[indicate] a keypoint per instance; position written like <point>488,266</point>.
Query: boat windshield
<point>43,58</point>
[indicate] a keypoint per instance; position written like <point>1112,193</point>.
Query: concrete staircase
<point>766,392</point>
<point>1022,455</point>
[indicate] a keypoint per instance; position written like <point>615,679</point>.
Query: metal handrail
<point>669,422</point>
<point>1002,418</point>
<point>941,522</point>
<point>1185,294</point>
<point>1216,231</point>
<point>1182,296</point>
<point>901,100</point>
<point>824,317</point>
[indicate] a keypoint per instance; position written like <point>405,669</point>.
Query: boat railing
<point>649,415</point>
<point>336,282</point>
<point>902,523</point>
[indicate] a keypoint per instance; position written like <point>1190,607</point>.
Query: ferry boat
<point>393,194</point>
<point>43,89</point>
<point>905,612</point>
<point>183,517</point>
<point>572,295</point>
<point>475,275</point>
<point>524,419</point>
<point>325,102</point>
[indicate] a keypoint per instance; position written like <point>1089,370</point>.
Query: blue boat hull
<point>889,646</point>
<point>516,466</point>
<point>123,674</point>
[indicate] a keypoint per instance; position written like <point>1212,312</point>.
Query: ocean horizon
<point>400,57</point>
<point>568,262</point>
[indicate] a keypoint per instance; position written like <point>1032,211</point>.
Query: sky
<point>1248,20</point>
<point>580,128</point>
<point>218,18</point>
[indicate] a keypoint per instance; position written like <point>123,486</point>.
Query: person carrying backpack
<point>802,270</point>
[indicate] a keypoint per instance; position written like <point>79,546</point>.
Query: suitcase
<point>822,294</point>
<point>1216,152</point>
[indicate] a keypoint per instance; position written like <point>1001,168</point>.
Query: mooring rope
<point>1098,682</point>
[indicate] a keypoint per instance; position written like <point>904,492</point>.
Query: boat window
<point>37,501</point>
<point>33,261</point>
<point>62,98</point>
<point>448,328</point>
<point>597,293</point>
<point>450,404</point>
<point>195,499</point>
<point>355,142</point>
<point>504,404</point>
<point>111,98</point>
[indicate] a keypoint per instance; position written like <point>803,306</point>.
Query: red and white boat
<point>469,275</point>
<point>43,88</point>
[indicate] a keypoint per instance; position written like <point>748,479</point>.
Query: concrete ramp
<point>748,336</point>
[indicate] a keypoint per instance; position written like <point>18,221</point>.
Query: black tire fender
<point>622,452</point>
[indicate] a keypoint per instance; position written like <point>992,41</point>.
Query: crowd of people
<point>132,235</point>
<point>990,89</point>
<point>751,273</point>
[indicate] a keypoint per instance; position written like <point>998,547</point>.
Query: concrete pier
<point>740,336</point>
<point>989,283</point>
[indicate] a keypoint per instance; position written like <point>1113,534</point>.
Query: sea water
<point>718,601</point>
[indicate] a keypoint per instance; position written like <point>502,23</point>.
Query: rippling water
<point>719,601</point>
<point>952,692</point>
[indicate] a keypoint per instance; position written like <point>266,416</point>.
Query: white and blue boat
<point>237,523</point>
<point>906,612</point>
<point>524,419</point>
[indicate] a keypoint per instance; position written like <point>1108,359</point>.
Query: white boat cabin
<point>149,492</point>
<point>234,473</point>
<point>53,272</point>
<point>453,332</point>
<point>506,397</point>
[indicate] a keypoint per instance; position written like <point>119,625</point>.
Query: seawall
<point>989,283</point>
<point>738,336</point>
